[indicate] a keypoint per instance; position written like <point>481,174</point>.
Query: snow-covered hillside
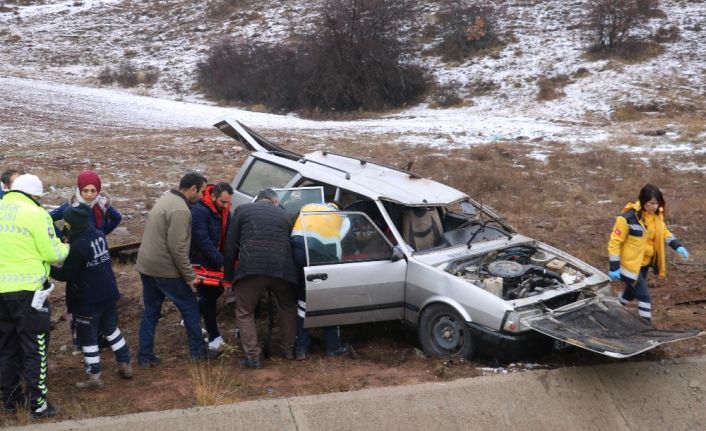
<point>70,42</point>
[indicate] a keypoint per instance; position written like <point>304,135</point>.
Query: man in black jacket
<point>258,238</point>
<point>92,291</point>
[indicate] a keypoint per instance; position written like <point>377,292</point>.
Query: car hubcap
<point>447,333</point>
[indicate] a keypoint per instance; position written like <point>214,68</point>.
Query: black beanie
<point>77,216</point>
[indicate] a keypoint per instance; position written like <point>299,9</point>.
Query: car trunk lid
<point>252,141</point>
<point>603,325</point>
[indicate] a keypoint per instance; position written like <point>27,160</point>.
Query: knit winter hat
<point>77,217</point>
<point>86,178</point>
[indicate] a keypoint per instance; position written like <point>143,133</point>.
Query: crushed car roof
<point>371,179</point>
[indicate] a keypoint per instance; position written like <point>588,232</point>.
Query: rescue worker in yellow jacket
<point>28,245</point>
<point>637,243</point>
<point>323,229</point>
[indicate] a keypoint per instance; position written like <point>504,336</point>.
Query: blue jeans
<point>154,290</point>
<point>88,327</point>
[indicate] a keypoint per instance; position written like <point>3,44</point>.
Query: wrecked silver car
<point>422,252</point>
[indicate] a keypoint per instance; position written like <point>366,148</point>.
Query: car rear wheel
<point>444,334</point>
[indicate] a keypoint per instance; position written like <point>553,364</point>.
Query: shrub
<point>466,28</point>
<point>251,73</point>
<point>612,21</point>
<point>666,34</point>
<point>481,86</point>
<point>447,95</point>
<point>222,8</point>
<point>127,75</point>
<point>580,73</point>
<point>649,8</point>
<point>353,59</point>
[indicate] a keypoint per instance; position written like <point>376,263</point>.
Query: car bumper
<point>505,346</point>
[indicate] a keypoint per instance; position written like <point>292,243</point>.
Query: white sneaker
<point>217,343</point>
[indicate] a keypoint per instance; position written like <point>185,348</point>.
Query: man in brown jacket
<point>165,270</point>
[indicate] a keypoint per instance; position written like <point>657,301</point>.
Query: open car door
<point>353,273</point>
<point>604,326</point>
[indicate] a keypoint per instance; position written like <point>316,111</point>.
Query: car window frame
<point>255,160</point>
<point>369,220</point>
<point>279,189</point>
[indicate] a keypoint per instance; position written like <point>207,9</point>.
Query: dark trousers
<point>637,289</point>
<point>24,339</point>
<point>88,327</point>
<point>248,292</point>
<point>332,334</point>
<point>154,290</point>
<point>208,301</point>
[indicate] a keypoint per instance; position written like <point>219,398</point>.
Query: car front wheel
<point>444,334</point>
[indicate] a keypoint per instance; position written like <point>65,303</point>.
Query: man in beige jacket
<point>165,270</point>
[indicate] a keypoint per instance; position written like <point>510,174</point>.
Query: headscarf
<point>84,179</point>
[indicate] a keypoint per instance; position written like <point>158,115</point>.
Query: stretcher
<point>211,277</point>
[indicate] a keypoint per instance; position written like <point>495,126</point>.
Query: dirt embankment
<point>570,200</point>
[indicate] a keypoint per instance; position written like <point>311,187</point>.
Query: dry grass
<point>213,382</point>
<point>23,416</point>
<point>663,108</point>
<point>550,88</point>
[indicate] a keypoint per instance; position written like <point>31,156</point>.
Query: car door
<point>353,277</point>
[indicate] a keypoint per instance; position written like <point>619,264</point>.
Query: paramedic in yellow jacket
<point>323,236</point>
<point>28,246</point>
<point>637,243</point>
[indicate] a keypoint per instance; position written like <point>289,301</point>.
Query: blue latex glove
<point>682,250</point>
<point>614,275</point>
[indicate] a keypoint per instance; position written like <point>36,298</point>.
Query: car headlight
<point>512,322</point>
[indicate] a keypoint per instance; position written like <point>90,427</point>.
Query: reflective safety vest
<point>28,244</point>
<point>326,228</point>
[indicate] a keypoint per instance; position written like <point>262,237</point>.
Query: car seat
<point>421,227</point>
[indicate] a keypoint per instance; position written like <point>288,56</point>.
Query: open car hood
<point>604,326</point>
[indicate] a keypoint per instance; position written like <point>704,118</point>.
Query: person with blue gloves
<point>637,243</point>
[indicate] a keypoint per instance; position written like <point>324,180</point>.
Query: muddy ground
<point>560,200</point>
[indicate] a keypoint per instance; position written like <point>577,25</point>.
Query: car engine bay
<point>516,272</point>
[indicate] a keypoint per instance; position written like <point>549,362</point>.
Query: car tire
<point>444,334</point>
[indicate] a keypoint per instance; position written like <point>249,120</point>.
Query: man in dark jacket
<point>209,224</point>
<point>258,238</point>
<point>93,293</point>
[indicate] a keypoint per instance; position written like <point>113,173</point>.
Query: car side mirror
<point>397,254</point>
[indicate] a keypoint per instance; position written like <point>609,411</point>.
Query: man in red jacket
<point>209,225</point>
